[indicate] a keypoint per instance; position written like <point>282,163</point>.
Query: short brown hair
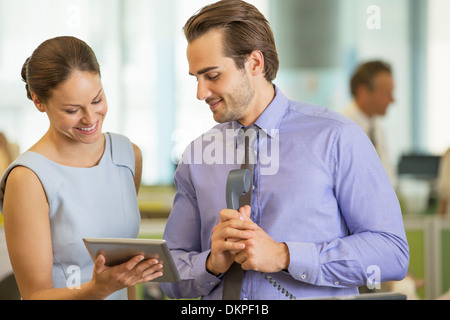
<point>245,30</point>
<point>53,62</point>
<point>365,74</point>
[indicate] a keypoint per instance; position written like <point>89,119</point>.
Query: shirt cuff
<point>304,261</point>
<point>204,280</point>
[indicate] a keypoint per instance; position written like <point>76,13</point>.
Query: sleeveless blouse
<point>97,202</point>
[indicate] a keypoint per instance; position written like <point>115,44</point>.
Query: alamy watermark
<point>74,280</point>
<point>373,21</point>
<point>74,17</point>
<point>373,277</point>
<point>227,148</point>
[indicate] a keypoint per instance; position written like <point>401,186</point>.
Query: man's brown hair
<point>244,28</point>
<point>365,75</point>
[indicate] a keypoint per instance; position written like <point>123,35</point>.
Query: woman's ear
<point>40,106</point>
<point>256,62</point>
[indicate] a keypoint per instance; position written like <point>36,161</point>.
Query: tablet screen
<point>118,251</point>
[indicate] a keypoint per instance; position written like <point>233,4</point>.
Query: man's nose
<point>203,91</point>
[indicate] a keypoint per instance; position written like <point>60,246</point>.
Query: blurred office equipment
<point>419,166</point>
<point>417,183</point>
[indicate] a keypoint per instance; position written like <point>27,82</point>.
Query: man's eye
<point>213,77</point>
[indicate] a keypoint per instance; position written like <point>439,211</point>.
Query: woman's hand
<point>107,280</point>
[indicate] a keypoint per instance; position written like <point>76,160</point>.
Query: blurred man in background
<point>372,87</point>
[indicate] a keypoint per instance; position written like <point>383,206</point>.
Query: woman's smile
<point>88,130</point>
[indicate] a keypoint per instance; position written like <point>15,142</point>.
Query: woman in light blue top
<point>74,183</point>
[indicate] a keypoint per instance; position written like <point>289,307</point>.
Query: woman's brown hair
<point>245,30</point>
<point>53,62</point>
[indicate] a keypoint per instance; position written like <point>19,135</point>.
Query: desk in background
<point>156,202</point>
<point>429,244</point>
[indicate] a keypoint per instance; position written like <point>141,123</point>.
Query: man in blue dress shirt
<point>324,218</point>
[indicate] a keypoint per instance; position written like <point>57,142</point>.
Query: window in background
<point>133,41</point>
<point>24,24</point>
<point>321,43</point>
<point>152,99</point>
<point>438,77</point>
<point>142,52</point>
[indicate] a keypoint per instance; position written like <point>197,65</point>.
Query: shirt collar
<point>270,119</point>
<point>364,121</point>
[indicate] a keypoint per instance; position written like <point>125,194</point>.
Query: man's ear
<point>363,91</point>
<point>256,62</point>
<point>40,106</point>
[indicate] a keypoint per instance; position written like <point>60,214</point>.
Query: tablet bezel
<point>119,250</point>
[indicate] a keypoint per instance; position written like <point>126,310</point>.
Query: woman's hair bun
<point>53,62</point>
<point>24,78</point>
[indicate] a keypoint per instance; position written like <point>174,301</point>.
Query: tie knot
<point>250,134</point>
<point>248,137</point>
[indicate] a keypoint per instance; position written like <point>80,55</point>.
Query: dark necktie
<point>233,278</point>
<point>371,134</point>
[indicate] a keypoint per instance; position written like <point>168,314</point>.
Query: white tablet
<point>118,251</point>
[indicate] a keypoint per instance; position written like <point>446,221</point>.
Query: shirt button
<point>336,283</point>
<point>212,283</point>
<point>303,276</point>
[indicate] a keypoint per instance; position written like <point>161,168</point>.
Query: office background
<point>141,49</point>
<point>152,99</point>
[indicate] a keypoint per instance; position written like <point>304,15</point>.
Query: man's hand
<point>261,252</point>
<point>228,239</point>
